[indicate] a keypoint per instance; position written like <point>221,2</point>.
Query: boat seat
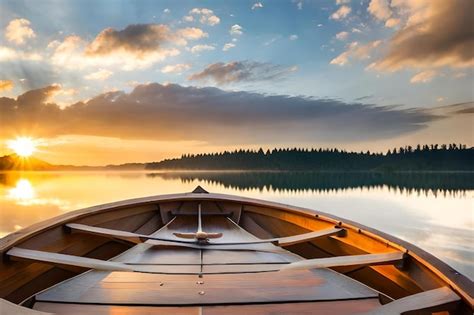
<point>417,302</point>
<point>140,238</point>
<point>342,261</point>
<point>84,262</point>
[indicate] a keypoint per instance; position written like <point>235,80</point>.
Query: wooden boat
<point>205,253</point>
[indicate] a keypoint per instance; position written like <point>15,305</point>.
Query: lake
<point>434,211</point>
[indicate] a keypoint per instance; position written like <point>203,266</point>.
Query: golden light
<point>22,191</point>
<point>23,146</point>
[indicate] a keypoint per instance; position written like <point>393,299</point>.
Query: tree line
<point>434,157</point>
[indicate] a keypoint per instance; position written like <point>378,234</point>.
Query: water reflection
<point>23,191</point>
<point>420,183</point>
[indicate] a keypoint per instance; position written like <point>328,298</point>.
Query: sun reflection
<point>23,191</point>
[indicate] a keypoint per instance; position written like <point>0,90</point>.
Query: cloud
<point>9,54</point>
<point>18,31</point>
<point>293,37</point>
<point>191,33</point>
<point>205,16</point>
<point>202,47</point>
<point>355,51</point>
<point>136,46</point>
<point>138,39</point>
<point>380,9</point>
<point>392,22</point>
<point>6,85</point>
<point>257,5</point>
<point>240,71</point>
<point>236,29</point>
<point>343,1</point>
<point>212,115</point>
<point>101,75</point>
<point>228,46</point>
<point>342,35</point>
<point>424,77</point>
<point>435,33</point>
<point>177,68</point>
<point>341,13</point>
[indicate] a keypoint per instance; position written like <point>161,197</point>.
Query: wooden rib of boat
<point>205,253</point>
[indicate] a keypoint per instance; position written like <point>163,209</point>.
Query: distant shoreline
<point>422,159</point>
<point>102,169</point>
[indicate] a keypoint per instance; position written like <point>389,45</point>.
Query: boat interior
<point>204,253</point>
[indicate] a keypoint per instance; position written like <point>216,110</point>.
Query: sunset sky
<point>102,82</point>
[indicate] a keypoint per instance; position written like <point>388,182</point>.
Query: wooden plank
<point>348,307</point>
<point>370,259</point>
<point>82,309</point>
<point>302,238</point>
<point>141,289</point>
<point>240,268</point>
<point>97,264</point>
<point>139,238</point>
<point>419,301</point>
<point>7,308</point>
<point>61,259</point>
<point>116,234</point>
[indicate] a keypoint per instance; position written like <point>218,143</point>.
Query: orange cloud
<point>341,13</point>
<point>424,76</point>
<point>436,33</point>
<point>18,31</point>
<point>355,51</point>
<point>6,85</point>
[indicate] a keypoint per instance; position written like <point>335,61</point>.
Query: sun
<point>23,146</point>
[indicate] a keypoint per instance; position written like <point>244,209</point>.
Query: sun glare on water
<point>23,146</point>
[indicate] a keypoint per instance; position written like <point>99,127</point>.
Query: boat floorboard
<point>132,288</point>
<point>154,289</point>
<point>305,308</point>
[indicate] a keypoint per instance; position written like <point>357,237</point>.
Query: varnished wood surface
<point>144,289</point>
<point>61,259</point>
<point>140,238</point>
<point>305,308</point>
<point>420,301</point>
<point>350,260</point>
<point>348,307</point>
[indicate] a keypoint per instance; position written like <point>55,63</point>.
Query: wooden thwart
<point>339,261</point>
<point>69,260</point>
<point>140,238</point>
<point>62,259</point>
<point>419,301</point>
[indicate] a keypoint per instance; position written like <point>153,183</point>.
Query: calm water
<point>433,211</point>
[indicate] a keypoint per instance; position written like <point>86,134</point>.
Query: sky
<point>107,82</point>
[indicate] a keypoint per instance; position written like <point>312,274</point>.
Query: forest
<point>434,157</point>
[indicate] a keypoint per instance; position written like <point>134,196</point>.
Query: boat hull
<point>419,271</point>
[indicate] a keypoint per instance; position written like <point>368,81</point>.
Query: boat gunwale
<point>459,283</point>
